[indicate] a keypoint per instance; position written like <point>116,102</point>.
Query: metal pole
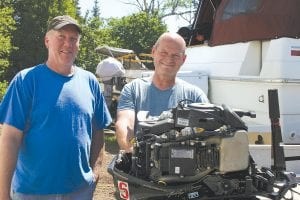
<point>278,159</point>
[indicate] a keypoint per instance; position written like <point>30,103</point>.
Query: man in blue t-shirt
<point>53,116</point>
<point>156,94</point>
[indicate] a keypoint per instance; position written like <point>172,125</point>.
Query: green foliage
<point>137,32</point>
<point>58,7</point>
<point>6,26</point>
<point>96,9</point>
<point>23,25</point>
<point>31,22</point>
<point>3,86</point>
<point>93,35</point>
<point>111,144</point>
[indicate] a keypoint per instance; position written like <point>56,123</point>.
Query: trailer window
<point>239,7</point>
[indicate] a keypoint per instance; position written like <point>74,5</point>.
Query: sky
<point>116,8</point>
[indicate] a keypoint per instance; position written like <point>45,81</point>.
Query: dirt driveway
<point>105,187</point>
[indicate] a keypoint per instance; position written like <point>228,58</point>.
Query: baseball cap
<point>60,21</point>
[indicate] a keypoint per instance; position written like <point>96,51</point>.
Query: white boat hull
<point>240,75</point>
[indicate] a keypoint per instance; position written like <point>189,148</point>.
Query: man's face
<point>168,56</point>
<point>63,45</point>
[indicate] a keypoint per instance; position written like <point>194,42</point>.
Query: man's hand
<point>97,153</point>
<point>125,129</point>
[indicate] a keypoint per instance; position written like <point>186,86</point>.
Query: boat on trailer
<point>251,47</point>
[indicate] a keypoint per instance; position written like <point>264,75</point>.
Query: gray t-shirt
<point>142,95</point>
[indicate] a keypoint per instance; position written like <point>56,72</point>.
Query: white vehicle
<point>204,151</point>
<point>251,46</point>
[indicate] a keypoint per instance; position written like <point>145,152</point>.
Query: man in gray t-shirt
<point>143,95</point>
<point>156,94</point>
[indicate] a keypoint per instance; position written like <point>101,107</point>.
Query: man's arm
<point>10,140</point>
<point>97,153</point>
<point>125,129</point>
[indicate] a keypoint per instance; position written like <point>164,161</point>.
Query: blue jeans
<point>81,194</point>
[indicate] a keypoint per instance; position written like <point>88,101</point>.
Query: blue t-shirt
<point>56,114</point>
<point>143,95</point>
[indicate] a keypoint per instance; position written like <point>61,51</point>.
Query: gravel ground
<point>105,187</point>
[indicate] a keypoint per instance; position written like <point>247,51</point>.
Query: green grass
<point>111,144</point>
<point>110,138</point>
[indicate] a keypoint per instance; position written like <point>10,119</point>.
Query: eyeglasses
<point>176,56</point>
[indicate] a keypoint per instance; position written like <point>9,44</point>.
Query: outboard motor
<point>194,151</point>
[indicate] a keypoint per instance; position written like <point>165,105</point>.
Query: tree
<point>165,8</point>
<point>95,12</point>
<point>96,9</point>
<point>6,27</point>
<point>31,22</point>
<point>94,34</point>
<point>138,31</point>
<point>78,11</point>
<point>3,87</point>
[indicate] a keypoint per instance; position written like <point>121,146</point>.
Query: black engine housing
<point>196,151</point>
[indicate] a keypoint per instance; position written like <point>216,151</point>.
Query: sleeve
<point>16,104</point>
<point>201,96</point>
<point>102,117</point>
<point>126,100</point>
<point>195,93</point>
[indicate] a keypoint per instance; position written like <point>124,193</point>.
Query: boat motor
<point>194,151</point>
